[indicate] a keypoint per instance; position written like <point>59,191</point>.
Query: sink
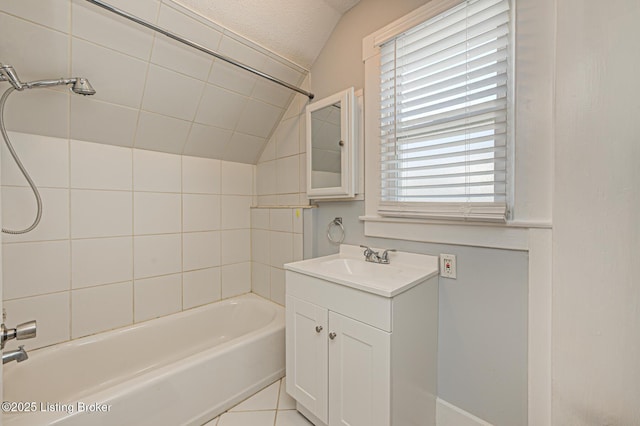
<point>349,268</point>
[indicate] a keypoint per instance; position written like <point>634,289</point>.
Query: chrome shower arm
<point>48,83</point>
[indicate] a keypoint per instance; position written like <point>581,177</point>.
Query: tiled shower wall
<point>276,239</point>
<point>282,167</point>
<point>126,235</point>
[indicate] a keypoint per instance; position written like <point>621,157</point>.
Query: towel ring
<point>336,222</point>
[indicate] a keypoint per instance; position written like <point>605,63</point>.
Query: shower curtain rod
<point>198,46</point>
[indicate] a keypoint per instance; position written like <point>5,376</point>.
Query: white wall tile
<point>288,199</point>
<point>231,78</point>
<point>43,54</point>
<point>303,172</point>
<point>50,311</point>
<point>200,250</point>
<point>277,285</point>
<point>298,247</point>
<point>287,175</point>
<point>298,220</point>
<point>101,261</point>
<point>200,287</point>
<point>260,279</point>
<point>281,244</point>
<point>220,107</point>
<point>244,148</point>
<point>99,166</point>
<point>200,175</point>
<point>117,78</point>
<point>155,297</point>
<point>269,151</point>
<point>287,138</point>
<point>260,247</point>
<point>267,200</point>
<point>161,133</point>
<point>271,93</point>
<point>156,213</point>
<point>236,279</point>
<point>172,94</point>
<point>39,112</point>
<point>92,121</point>
<point>173,55</point>
<point>100,26</point>
<point>101,308</point>
<point>200,212</point>
<point>100,213</point>
<point>54,13</point>
<point>258,118</point>
<point>260,218</point>
<point>281,220</point>
<point>237,178</point>
<point>31,269</point>
<point>266,181</point>
<point>156,171</point>
<point>46,159</point>
<point>207,141</point>
<point>157,255</point>
<point>236,246</point>
<point>236,211</point>
<point>19,211</point>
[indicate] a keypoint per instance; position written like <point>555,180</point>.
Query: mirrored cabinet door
<point>331,146</point>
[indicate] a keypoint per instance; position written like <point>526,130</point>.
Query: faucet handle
<point>385,255</point>
<point>26,330</point>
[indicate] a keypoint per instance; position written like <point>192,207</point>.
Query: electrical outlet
<point>448,265</point>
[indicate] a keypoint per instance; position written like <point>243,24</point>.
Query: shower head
<point>80,86</point>
<point>83,87</point>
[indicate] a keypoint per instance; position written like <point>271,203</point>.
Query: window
<point>444,109</point>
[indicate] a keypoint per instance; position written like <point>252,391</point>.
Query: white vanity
<point>362,339</point>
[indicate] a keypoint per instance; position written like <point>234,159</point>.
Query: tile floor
<point>269,407</point>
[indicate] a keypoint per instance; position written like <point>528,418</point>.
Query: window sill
<point>512,235</point>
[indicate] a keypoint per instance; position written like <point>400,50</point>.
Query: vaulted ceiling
<point>295,29</point>
<point>152,92</point>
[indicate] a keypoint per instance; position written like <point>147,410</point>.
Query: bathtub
<point>182,369</point>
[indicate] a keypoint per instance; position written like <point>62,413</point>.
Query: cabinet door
<point>359,373</point>
<point>307,357</point>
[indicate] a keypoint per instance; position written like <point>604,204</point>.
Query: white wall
<point>126,235</point>
<point>596,287</point>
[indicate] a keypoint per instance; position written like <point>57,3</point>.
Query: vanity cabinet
<point>356,358</point>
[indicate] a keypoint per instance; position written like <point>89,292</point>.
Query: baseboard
<point>449,415</point>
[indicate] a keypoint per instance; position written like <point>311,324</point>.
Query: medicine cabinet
<point>332,150</point>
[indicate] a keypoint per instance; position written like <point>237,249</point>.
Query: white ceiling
<point>294,29</point>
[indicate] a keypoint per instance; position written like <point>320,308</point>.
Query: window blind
<point>443,115</point>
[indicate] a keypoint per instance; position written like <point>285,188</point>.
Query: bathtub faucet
<point>18,355</point>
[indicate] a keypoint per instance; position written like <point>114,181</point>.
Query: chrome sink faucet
<point>375,257</point>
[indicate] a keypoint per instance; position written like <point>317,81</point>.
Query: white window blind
<point>443,115</point>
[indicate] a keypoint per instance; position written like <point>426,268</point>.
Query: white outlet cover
<point>448,266</point>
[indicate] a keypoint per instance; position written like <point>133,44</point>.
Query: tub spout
<point>18,355</point>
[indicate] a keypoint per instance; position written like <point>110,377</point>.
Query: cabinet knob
<point>332,335</point>
<point>318,328</point>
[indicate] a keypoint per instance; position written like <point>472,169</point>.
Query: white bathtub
<point>183,369</point>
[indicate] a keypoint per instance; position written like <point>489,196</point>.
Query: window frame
<point>447,213</point>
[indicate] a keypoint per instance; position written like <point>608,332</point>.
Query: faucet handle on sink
<point>385,256</point>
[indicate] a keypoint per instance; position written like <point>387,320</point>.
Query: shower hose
<point>5,95</point>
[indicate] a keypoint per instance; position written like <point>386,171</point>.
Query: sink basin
<point>349,268</point>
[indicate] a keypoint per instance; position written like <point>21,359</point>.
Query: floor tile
<point>285,402</point>
<point>248,418</point>
<point>291,418</point>
<point>266,399</point>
